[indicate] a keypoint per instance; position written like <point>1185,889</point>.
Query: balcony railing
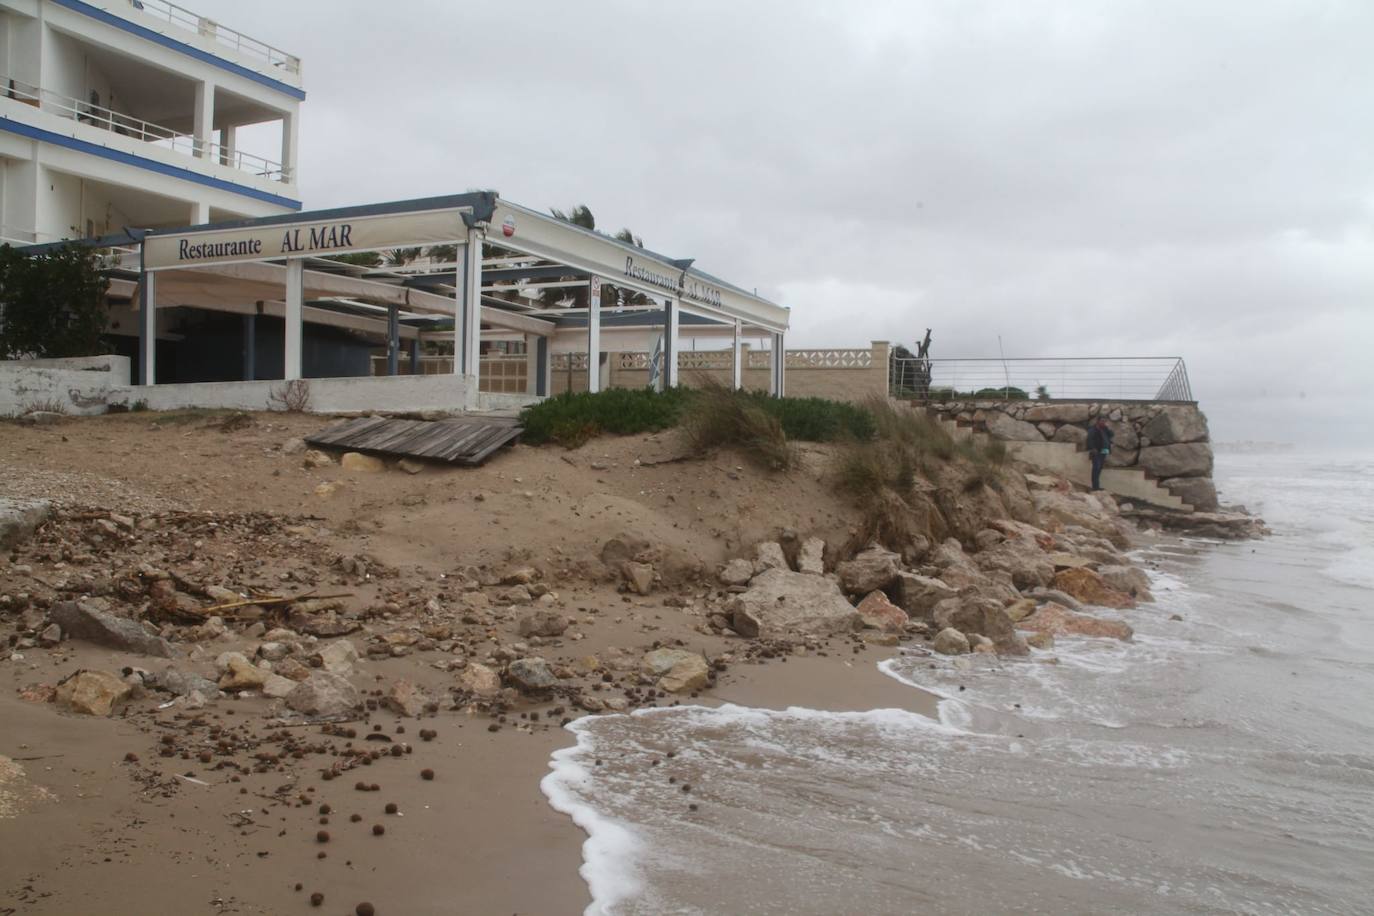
<point>139,129</point>
<point>1127,378</point>
<point>209,28</point>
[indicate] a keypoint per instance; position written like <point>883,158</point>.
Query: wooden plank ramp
<point>466,440</point>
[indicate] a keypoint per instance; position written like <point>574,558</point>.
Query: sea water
<point>1219,763</point>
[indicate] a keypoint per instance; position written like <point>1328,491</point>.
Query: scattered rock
<point>1020,609</point>
<point>872,569</point>
<point>736,572</point>
<point>1176,424</point>
<point>677,670</point>
<point>357,461</point>
<point>85,620</point>
<point>531,675</point>
<point>314,458</point>
<point>480,680</point>
<point>325,694</point>
<point>542,623</point>
<point>1042,640</point>
<point>950,641</point>
<point>277,687</point>
<point>1198,492</point>
<point>182,683</point>
<point>293,446</point>
<point>981,616</point>
<point>639,576</point>
<point>238,673</point>
<point>781,602</point>
<point>406,699</point>
<point>338,657</point>
<point>410,465</point>
<point>879,613</point>
<point>92,693</point>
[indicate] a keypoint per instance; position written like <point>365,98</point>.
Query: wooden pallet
<point>467,441</point>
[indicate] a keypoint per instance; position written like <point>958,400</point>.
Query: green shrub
<point>815,419</point>
<point>570,419</point>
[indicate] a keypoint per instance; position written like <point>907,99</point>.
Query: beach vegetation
<point>52,305</point>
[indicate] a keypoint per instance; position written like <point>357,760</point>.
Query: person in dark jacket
<point>1099,447</point>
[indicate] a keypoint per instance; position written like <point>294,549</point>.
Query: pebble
<point>426,774</point>
<point>322,836</point>
<point>365,909</point>
<point>378,830</point>
<point>316,898</point>
<point>391,808</point>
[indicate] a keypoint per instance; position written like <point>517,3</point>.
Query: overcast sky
<point>1082,179</point>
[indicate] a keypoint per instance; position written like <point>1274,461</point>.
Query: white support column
<point>531,364</point>
<point>672,322</point>
<point>467,324</point>
<point>200,213</point>
<point>594,337</point>
<point>203,129</point>
<point>290,138</point>
<point>229,145</point>
<point>147,330</point>
<point>737,367</point>
<point>295,302</point>
<point>777,385</point>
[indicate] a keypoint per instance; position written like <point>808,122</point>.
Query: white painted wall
<point>80,386</point>
<point>327,395</point>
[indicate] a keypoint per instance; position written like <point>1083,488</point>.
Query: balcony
<point>265,54</point>
<point>125,125</point>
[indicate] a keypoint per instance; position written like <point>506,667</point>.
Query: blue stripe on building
<point>152,165</point>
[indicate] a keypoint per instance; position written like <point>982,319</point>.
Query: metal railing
<point>138,129</point>
<point>209,28</point>
<point>1124,378</point>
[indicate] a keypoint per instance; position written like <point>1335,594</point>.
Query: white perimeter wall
<point>75,386</point>
<point>94,384</point>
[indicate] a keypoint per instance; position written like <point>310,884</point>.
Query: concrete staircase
<point>1068,461</point>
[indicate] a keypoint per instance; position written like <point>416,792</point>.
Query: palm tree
<point>581,216</point>
<point>399,257</point>
<point>442,254</point>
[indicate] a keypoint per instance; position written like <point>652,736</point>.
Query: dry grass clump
<point>717,416</point>
<point>886,474</point>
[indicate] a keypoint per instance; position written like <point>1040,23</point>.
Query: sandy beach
<point>164,807</point>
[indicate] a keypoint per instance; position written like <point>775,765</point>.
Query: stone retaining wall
<point>1168,441</point>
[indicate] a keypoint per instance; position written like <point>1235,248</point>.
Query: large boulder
<point>20,518</point>
<point>92,693</point>
<point>1088,587</point>
<point>407,699</point>
<point>1129,579</point>
<point>1193,459</point>
<point>1058,413</point>
<point>881,614</point>
<point>1198,492</point>
<point>1176,424</point>
<point>1060,621</point>
<point>1076,436</point>
<point>950,641</point>
<point>677,670</point>
<point>873,568</point>
<point>1021,559</point>
<point>918,595</point>
<point>780,602</point>
<point>338,657</point>
<point>1002,426</point>
<point>983,617</point>
<point>325,695</point>
<point>357,461</point>
<point>85,620</point>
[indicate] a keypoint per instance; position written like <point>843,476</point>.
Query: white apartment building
<point>126,113</point>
